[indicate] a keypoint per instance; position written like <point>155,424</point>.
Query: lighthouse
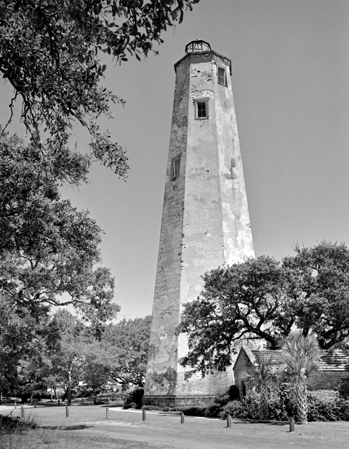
<point>205,219</point>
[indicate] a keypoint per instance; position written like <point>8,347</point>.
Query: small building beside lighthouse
<point>205,219</point>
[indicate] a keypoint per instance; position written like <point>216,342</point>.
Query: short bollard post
<point>182,417</point>
<point>144,414</point>
<point>228,420</point>
<point>67,411</point>
<point>59,402</point>
<point>291,418</point>
<point>35,403</point>
<point>107,413</point>
<point>22,412</point>
<point>15,404</point>
<point>82,401</point>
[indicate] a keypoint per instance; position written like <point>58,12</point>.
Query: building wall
<point>161,377</point>
<point>205,221</point>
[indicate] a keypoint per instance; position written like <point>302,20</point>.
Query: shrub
<point>287,394</point>
<point>327,408</point>
<point>282,404</point>
<point>234,409</point>
<point>194,411</point>
<point>134,398</point>
<point>344,388</point>
<point>10,423</point>
<point>277,410</point>
<point>245,409</point>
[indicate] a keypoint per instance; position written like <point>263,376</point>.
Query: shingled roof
<point>334,360</point>
<point>330,360</point>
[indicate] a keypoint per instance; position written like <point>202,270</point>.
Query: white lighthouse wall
<point>205,222</point>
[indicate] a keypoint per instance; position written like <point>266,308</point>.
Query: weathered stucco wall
<point>161,378</point>
<point>205,221</point>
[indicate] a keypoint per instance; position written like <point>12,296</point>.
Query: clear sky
<point>291,89</point>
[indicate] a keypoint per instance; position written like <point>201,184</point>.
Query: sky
<point>291,89</point>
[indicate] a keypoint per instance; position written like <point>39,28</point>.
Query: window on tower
<point>176,163</point>
<point>201,108</point>
<point>222,76</point>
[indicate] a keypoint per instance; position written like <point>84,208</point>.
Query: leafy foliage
<point>47,247</point>
<point>11,423</point>
<point>50,55</point>
<point>244,300</point>
<point>319,408</point>
<point>300,355</point>
<point>134,398</point>
<point>130,340</point>
<point>319,287</point>
<point>264,299</point>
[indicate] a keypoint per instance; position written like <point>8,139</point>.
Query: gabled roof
<point>335,360</point>
<point>250,356</point>
<point>267,354</point>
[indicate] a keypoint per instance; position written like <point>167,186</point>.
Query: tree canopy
<point>265,299</point>
<point>50,52</point>
<point>130,340</point>
<point>47,247</point>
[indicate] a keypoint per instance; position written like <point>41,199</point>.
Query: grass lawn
<point>88,428</point>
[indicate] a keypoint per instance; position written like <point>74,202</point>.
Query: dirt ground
<point>87,428</point>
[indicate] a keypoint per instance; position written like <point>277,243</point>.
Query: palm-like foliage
<point>262,376</point>
<point>300,355</point>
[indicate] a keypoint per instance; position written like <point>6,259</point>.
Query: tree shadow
<point>76,427</point>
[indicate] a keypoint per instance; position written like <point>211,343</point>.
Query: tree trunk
<point>302,402</point>
<point>263,408</point>
<point>68,394</point>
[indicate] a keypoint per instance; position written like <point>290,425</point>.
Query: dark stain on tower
<point>205,219</point>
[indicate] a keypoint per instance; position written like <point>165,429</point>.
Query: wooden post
<point>291,419</point>
<point>67,411</point>
<point>182,417</point>
<point>59,402</point>
<point>228,420</point>
<point>107,413</point>
<point>22,412</point>
<point>144,414</point>
<point>35,403</point>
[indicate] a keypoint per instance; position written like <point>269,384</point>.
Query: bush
<point>214,410</point>
<point>277,411</point>
<point>287,395</point>
<point>234,409</point>
<point>10,423</point>
<point>344,388</point>
<point>245,409</point>
<point>134,398</point>
<point>194,411</point>
<point>327,408</point>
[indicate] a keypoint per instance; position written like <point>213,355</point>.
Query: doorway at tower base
<point>177,401</point>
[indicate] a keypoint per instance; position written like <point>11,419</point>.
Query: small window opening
<point>175,167</point>
<point>222,76</point>
<point>201,109</point>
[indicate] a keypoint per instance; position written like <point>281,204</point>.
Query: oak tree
<point>50,52</point>
<point>265,299</point>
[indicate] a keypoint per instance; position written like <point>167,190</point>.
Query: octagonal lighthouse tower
<point>205,219</point>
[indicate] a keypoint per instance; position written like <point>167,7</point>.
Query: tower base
<point>177,401</point>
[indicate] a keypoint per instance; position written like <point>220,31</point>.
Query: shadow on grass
<point>269,423</point>
<point>77,427</point>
